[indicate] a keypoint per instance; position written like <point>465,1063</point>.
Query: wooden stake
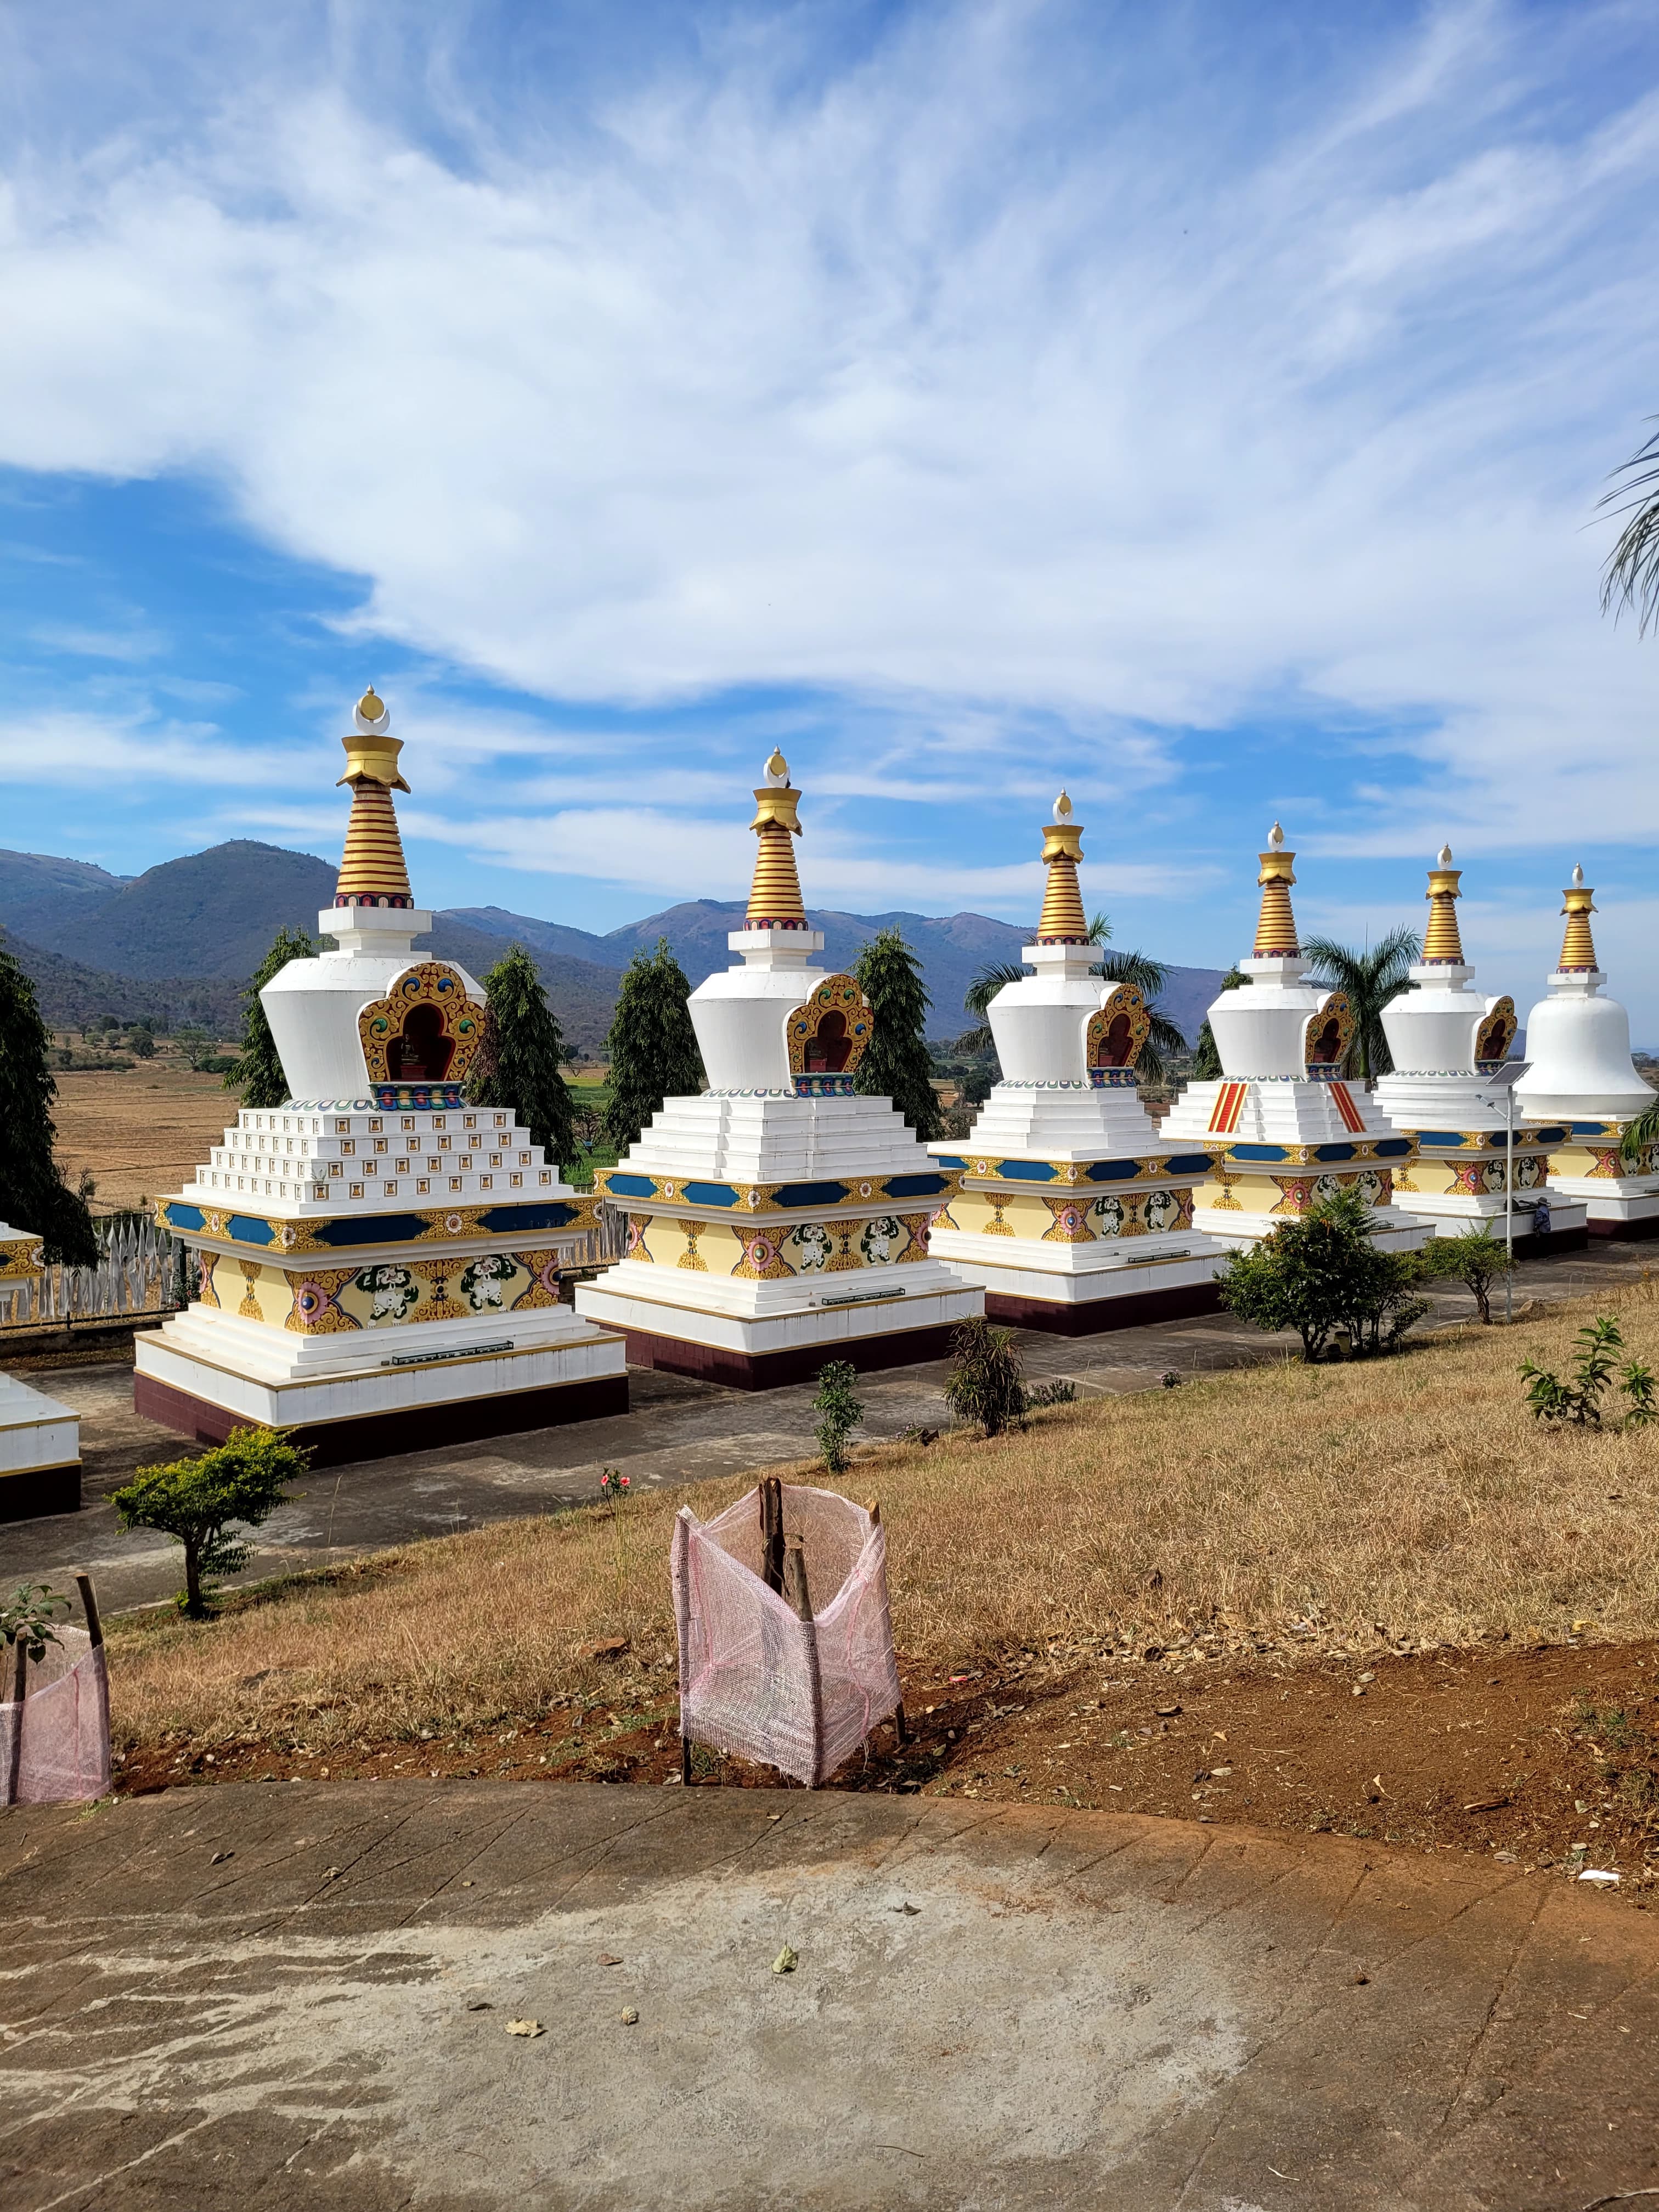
<point>685,1760</point>
<point>17,1689</point>
<point>771,1519</point>
<point>797,1592</point>
<point>89,1605</point>
<point>794,1579</point>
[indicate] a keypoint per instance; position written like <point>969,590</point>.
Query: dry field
<point>1281,1512</point>
<point>143,1133</point>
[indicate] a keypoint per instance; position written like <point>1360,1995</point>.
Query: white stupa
<point>1074,1213</point>
<point>379,1261</point>
<point>1582,1073</point>
<point>1283,1124</point>
<point>778,1219</point>
<point>39,1436</point>
<point>1447,1042</point>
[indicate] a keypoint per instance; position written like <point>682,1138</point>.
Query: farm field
<point>141,1132</point>
<point>1378,1598</point>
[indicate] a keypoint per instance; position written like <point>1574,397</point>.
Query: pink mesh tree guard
<point>54,1747</point>
<point>801,1696</point>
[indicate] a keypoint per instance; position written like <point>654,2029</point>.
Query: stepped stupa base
<point>1028,1284</point>
<point>1393,1229</point>
<point>39,1454</point>
<point>1453,1213</point>
<point>1627,1206</point>
<point>204,1374</point>
<point>768,1345</point>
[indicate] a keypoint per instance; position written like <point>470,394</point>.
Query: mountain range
<point>180,940</point>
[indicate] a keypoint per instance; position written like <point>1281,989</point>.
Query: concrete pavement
<point>677,1431</point>
<point>298,1997</point>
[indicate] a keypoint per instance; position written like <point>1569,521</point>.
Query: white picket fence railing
<point>139,1271</point>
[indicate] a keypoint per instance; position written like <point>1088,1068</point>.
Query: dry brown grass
<point>143,1133</point>
<point>1415,1500</point>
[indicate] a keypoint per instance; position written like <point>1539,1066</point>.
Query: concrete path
<point>297,1996</point>
<point>679,1431</point>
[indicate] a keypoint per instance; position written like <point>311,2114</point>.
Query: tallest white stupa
<point>379,1259</point>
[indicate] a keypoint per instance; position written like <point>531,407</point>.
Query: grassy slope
<point>1413,1499</point>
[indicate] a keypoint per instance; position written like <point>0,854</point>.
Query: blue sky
<point>1202,406</point>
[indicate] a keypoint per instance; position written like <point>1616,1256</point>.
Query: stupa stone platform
<point>1447,1044</point>
<point>1578,1043</point>
<point>40,1438</point>
<point>778,1220</point>
<point>378,1261</point>
<point>1074,1215</point>
<point>1283,1122</point>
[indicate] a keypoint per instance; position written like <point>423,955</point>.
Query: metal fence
<point>140,1270</point>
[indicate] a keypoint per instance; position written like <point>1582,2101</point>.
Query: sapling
<point>984,1385</point>
<point>197,1500</point>
<point>1578,1400</point>
<point>28,1619</point>
<point>839,1414</point>
<point>613,1488</point>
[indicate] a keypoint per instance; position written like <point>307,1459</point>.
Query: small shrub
<point>839,1413</point>
<point>1475,1259</point>
<point>28,1619</point>
<point>197,1500</point>
<point>1325,1272</point>
<point>1049,1394</point>
<point>984,1385</point>
<point>1578,1400</point>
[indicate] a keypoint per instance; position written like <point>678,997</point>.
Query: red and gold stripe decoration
<point>1062,921</point>
<point>1229,1105</point>
<point>1352,1119</point>
<point>373,871</point>
<point>1578,946</point>
<point>1275,928</point>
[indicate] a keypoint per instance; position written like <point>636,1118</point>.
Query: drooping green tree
<point>897,1064</point>
<point>1370,979</point>
<point>1207,1055</point>
<point>33,1196</point>
<point>257,1074</point>
<point>521,1067</point>
<point>1630,576</point>
<point>651,1045</point>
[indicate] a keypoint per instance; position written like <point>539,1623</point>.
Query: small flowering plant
<point>613,1488</point>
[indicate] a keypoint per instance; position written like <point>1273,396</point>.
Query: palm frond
<point>1643,1132</point>
<point>1370,980</point>
<point>994,976</point>
<point>1630,576</point>
<point>1100,928</point>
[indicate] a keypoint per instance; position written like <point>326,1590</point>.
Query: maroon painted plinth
<point>1088,1317</point>
<point>1534,1247</point>
<point>799,1362</point>
<point>1626,1231</point>
<point>409,1428</point>
<point>41,1491</point>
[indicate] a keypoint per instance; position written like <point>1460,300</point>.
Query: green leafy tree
<point>1371,979</point>
<point>897,1064</point>
<point>33,1195</point>
<point>522,1066</point>
<point>197,1501</point>
<point>1476,1259</point>
<point>984,1385</point>
<point>652,1045</point>
<point>193,1040</point>
<point>1323,1272</point>
<point>839,1413</point>
<point>1578,1400</point>
<point>1207,1055</point>
<point>1164,1041</point>
<point>257,1073</point>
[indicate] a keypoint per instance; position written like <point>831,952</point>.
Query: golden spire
<point>1578,946</point>
<point>1062,921</point>
<point>1275,928</point>
<point>1441,943</point>
<point>774,894</point>
<point>372,868</point>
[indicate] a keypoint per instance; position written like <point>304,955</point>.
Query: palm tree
<point>1631,578</point>
<point>1369,979</point>
<point>1149,977</point>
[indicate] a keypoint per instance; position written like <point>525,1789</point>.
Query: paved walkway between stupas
<point>298,1998</point>
<point>677,1431</point>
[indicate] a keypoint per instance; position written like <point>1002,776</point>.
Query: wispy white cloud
<point>75,749</point>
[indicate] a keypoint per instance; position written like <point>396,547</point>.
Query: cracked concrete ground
<point>677,1431</point>
<point>297,1996</point>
